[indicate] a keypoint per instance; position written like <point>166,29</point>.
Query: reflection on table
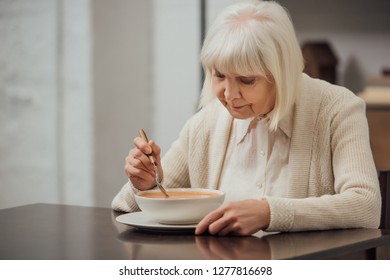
<point>45,231</point>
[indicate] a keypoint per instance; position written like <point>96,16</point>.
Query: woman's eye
<point>219,75</point>
<point>247,81</point>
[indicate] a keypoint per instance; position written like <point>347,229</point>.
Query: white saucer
<point>141,221</point>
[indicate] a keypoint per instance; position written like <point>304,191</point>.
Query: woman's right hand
<point>138,167</point>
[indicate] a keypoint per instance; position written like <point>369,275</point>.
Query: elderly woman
<point>291,152</point>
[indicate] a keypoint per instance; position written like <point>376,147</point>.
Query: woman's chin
<point>239,115</point>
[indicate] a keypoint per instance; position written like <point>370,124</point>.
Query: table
<point>62,232</point>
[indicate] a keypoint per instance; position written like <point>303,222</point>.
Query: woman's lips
<point>235,107</point>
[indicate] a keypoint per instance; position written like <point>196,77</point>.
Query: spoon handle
<point>151,157</point>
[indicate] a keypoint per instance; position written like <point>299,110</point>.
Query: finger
<point>141,163</point>
<point>140,184</point>
<point>141,181</point>
<point>220,227</point>
<point>226,230</point>
<point>223,225</point>
<point>130,171</point>
<point>139,173</point>
<point>142,145</point>
<point>210,218</point>
<point>156,150</point>
<point>138,158</point>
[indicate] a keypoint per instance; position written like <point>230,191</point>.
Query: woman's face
<point>244,96</point>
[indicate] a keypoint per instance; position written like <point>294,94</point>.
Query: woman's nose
<point>231,90</point>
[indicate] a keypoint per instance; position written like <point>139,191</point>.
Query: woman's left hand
<point>238,218</point>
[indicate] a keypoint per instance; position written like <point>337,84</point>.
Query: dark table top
<point>48,231</point>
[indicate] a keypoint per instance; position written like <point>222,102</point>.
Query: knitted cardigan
<point>333,182</point>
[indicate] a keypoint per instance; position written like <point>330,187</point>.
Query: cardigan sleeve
<point>124,201</point>
<point>354,201</point>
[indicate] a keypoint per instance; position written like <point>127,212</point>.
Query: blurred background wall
<point>79,77</point>
<point>45,102</point>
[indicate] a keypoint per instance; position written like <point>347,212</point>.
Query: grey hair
<point>254,38</point>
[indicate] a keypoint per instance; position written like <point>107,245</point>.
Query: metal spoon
<point>152,157</point>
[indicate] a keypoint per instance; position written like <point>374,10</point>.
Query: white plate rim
<point>142,221</point>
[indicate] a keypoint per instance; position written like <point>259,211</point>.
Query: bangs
<point>234,52</point>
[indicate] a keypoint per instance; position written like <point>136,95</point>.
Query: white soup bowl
<point>183,206</point>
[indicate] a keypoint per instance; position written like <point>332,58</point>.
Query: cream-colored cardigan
<point>332,182</point>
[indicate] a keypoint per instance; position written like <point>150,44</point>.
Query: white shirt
<point>256,162</point>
